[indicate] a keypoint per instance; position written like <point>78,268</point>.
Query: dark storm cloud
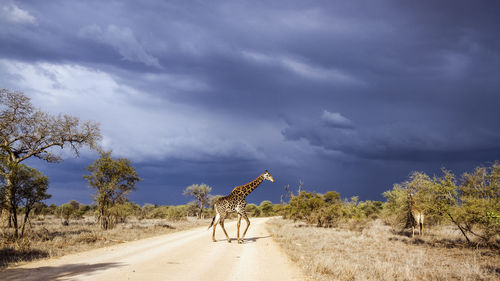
<point>401,141</point>
<point>311,90</point>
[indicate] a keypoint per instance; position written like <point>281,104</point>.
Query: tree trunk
<point>25,220</point>
<point>103,219</point>
<point>459,227</point>
<point>14,219</point>
<point>9,218</point>
<point>11,198</point>
<point>8,198</point>
<point>201,209</point>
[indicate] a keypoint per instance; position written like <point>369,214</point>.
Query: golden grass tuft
<point>375,252</point>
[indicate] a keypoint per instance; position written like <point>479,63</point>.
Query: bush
<point>370,209</point>
<point>146,210</point>
<point>53,209</point>
<point>65,211</point>
<point>252,210</point>
<point>277,209</point>
<point>352,210</point>
<point>302,206</point>
<point>192,209</point>
<point>159,212</point>
<point>266,208</point>
<point>328,216</point>
<point>85,209</point>
<point>326,210</point>
<point>479,206</point>
<point>120,212</point>
<point>176,213</point>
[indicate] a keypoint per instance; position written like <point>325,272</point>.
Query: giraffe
<point>416,217</point>
<point>235,202</point>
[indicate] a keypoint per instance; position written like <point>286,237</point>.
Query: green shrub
<point>146,210</point>
<point>478,208</point>
<point>65,211</point>
<point>370,209</point>
<point>252,210</point>
<point>120,212</point>
<point>277,209</point>
<point>176,213</point>
<point>266,208</point>
<point>327,216</point>
<point>326,210</point>
<point>160,212</point>
<point>302,206</point>
<point>192,209</point>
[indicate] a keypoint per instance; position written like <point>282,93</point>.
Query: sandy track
<point>186,255</point>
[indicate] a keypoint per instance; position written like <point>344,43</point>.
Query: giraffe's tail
<point>215,220</point>
<point>212,223</point>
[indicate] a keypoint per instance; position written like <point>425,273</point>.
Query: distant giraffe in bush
<point>235,202</point>
<point>415,217</point>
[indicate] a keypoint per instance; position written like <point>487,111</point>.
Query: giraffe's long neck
<point>413,206</point>
<point>249,187</point>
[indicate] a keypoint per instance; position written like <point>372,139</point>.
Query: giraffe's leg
<point>216,221</point>
<point>223,229</point>
<point>213,233</point>
<point>238,229</point>
<point>422,225</point>
<point>248,224</point>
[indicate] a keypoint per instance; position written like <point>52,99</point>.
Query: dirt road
<point>186,255</point>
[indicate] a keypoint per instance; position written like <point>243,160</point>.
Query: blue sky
<point>343,95</point>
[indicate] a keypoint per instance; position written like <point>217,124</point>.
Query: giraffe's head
<point>411,198</point>
<point>267,176</point>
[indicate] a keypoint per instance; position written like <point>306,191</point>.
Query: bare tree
<point>200,192</point>
<point>27,132</point>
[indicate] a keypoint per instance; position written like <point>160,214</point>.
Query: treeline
<point>73,210</point>
<point>470,203</point>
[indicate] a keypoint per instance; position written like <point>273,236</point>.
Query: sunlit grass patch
<point>377,253</point>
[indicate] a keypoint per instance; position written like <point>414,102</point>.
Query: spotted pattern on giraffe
<point>235,203</point>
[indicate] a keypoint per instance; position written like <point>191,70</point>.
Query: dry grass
<point>49,238</point>
<point>371,251</point>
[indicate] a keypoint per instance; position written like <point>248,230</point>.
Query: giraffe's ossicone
<point>235,202</point>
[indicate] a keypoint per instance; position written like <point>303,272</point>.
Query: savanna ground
<point>373,251</point>
<point>48,237</point>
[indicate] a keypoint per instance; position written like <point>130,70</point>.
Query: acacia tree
<point>398,206</point>
<point>27,132</point>
<point>478,212</point>
<point>472,204</point>
<point>114,180</point>
<point>200,192</point>
<point>28,187</point>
